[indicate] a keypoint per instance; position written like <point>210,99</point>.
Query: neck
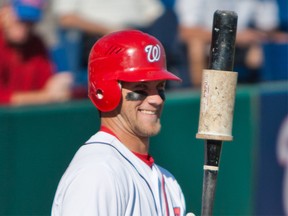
<point>128,138</point>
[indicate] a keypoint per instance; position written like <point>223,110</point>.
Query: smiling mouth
<point>149,112</point>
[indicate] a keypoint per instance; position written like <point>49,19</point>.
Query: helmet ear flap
<point>106,95</point>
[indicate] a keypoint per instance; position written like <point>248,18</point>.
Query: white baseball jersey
<point>106,178</point>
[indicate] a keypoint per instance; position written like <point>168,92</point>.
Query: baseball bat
<point>217,101</point>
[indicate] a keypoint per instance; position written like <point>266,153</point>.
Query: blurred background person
<point>256,20</point>
<point>82,22</point>
<point>27,74</point>
<point>95,18</point>
<point>282,156</point>
<point>280,35</point>
<point>275,65</point>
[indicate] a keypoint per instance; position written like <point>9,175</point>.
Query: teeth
<point>148,112</point>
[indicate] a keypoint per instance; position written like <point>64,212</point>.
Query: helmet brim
<point>147,75</point>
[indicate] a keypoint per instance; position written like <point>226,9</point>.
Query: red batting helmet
<point>128,55</point>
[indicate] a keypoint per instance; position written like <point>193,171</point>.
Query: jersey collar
<point>146,158</point>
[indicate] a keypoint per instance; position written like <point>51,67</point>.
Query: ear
<point>106,95</point>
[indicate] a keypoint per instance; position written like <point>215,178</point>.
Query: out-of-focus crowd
<point>45,44</point>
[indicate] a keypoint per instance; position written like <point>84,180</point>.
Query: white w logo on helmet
<point>153,53</point>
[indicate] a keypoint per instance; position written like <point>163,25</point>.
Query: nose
<point>155,98</point>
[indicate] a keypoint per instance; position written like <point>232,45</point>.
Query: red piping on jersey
<point>146,158</point>
<point>165,196</point>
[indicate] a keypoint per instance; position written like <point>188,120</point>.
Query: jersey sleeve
<point>90,192</point>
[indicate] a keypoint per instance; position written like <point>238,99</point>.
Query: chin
<point>150,131</point>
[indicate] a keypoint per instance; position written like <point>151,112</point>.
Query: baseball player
<point>113,173</point>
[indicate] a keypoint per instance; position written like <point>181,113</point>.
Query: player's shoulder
<point>95,165</point>
<point>97,157</point>
<point>168,177</point>
<point>166,173</point>
<point>88,178</point>
<point>99,154</point>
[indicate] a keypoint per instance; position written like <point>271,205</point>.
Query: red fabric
<point>23,68</point>
<point>165,198</point>
<point>146,158</point>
